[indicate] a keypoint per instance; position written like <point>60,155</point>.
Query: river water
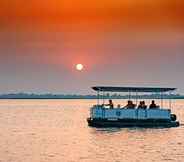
<point>57,131</point>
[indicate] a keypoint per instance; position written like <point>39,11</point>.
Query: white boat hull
<point>103,117</point>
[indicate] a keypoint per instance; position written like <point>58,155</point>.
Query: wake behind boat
<point>132,115</point>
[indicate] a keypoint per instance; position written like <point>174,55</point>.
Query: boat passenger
<point>110,104</point>
<point>118,106</point>
<point>130,105</point>
<point>153,105</point>
<point>142,105</point>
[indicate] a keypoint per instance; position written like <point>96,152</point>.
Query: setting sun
<point>79,67</point>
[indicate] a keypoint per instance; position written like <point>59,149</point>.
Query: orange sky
<point>92,14</point>
<point>42,40</point>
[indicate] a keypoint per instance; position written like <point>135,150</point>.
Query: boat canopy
<point>131,89</point>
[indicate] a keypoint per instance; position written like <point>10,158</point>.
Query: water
<point>57,131</point>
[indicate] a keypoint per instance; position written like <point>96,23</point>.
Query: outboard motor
<point>173,117</point>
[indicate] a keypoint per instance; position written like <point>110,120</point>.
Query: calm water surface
<point>57,131</point>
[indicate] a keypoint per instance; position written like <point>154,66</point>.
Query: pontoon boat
<point>100,116</point>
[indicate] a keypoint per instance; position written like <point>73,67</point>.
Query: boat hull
<point>120,123</point>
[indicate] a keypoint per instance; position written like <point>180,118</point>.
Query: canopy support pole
<point>161,99</point>
<point>103,97</point>
<point>170,101</point>
<point>136,97</point>
<point>129,95</point>
<point>98,98</point>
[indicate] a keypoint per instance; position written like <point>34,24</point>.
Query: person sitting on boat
<point>142,105</point>
<point>153,105</point>
<point>110,104</point>
<point>118,106</point>
<point>130,105</point>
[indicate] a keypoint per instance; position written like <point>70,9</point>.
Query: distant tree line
<point>75,96</point>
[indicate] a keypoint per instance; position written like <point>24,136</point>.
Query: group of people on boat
<point>131,105</point>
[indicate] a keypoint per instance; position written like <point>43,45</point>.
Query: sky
<point>119,42</point>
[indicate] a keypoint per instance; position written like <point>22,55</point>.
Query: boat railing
<point>122,108</point>
<point>117,112</point>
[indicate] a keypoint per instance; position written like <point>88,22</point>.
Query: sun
<point>79,67</point>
